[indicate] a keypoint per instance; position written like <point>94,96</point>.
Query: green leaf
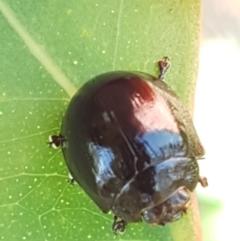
<point>48,50</point>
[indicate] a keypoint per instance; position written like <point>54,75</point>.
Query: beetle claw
<point>184,209</point>
<point>163,66</point>
<point>203,181</point>
<point>57,141</point>
<point>119,225</point>
<point>70,179</point>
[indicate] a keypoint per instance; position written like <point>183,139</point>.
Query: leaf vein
<point>37,51</point>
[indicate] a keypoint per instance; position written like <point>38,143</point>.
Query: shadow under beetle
<point>130,143</point>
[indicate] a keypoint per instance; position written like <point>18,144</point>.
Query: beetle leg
<point>163,67</point>
<point>185,208</point>
<point>56,142</point>
<point>70,179</point>
<point>203,181</point>
<point>119,225</point>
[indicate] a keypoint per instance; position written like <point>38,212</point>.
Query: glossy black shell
<point>131,142</point>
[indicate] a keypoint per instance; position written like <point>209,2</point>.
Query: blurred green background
<point>217,118</point>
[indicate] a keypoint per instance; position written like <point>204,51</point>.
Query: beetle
<point>130,143</point>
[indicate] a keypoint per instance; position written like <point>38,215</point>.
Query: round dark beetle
<point>129,142</point>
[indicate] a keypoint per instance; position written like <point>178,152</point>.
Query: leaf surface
<point>48,50</point>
